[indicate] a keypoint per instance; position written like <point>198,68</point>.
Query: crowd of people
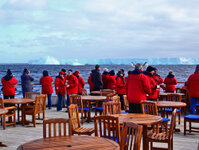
<point>138,85</point>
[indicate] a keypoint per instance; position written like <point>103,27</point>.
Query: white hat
<point>105,69</point>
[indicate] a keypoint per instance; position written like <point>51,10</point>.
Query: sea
<point>181,72</point>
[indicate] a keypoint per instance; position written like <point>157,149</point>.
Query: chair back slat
<point>115,98</point>
<point>108,127</point>
<point>76,99</point>
<point>172,125</point>
<point>111,108</point>
<point>31,95</point>
<point>56,123</point>
<point>73,114</point>
<point>174,97</point>
<point>149,107</point>
<point>131,136</point>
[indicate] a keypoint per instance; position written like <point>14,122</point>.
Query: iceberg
<point>117,61</point>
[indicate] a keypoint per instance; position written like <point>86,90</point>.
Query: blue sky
<point>32,29</point>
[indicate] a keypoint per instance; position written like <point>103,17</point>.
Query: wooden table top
<point>97,98</point>
<point>95,92</point>
<point>71,143</point>
<point>3,111</point>
<point>141,119</point>
<point>18,101</point>
<point>165,94</point>
<point>170,104</point>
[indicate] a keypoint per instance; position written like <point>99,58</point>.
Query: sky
<point>75,29</point>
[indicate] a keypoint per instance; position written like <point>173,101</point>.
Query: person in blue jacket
<point>26,82</point>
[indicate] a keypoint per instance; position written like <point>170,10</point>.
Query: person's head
<point>9,72</point>
<point>112,72</point>
<point>150,69</point>
<point>97,67</point>
<point>197,68</point>
<point>155,71</point>
<point>139,66</point>
<point>61,74</point>
<point>122,70</point>
<point>45,73</point>
<point>70,72</point>
<point>129,72</point>
<point>76,73</point>
<point>120,73</point>
<point>64,70</point>
<point>105,69</point>
<point>26,70</point>
<point>171,72</point>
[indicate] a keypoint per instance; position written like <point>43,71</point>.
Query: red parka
<point>120,86</point>
<point>46,83</point>
<point>158,79</point>
<point>60,85</point>
<point>105,79</point>
<point>170,82</point>
<point>81,84</point>
<point>72,81</point>
<point>8,83</point>
<point>112,82</point>
<point>193,85</point>
<point>138,86</point>
<point>154,93</point>
<point>90,82</point>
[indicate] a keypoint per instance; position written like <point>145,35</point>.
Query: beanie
<point>76,73</point>
<point>61,72</point>
<point>45,73</point>
<point>197,67</point>
<point>97,66</point>
<point>9,72</point>
<point>64,70</point>
<point>150,68</point>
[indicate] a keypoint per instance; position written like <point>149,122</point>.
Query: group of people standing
<point>139,85</point>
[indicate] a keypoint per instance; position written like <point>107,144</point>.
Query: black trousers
<point>8,96</point>
<point>121,101</point>
<point>135,108</point>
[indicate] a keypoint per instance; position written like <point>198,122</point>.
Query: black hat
<point>9,72</point>
<point>112,72</point>
<point>97,66</point>
<point>25,70</point>
<point>197,67</point>
<point>70,70</point>
<point>45,73</point>
<point>150,68</point>
<point>64,70</point>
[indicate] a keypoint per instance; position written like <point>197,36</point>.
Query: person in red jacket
<point>72,85</point>
<point>81,82</point>
<point>170,82</point>
<point>121,87</point>
<point>105,78</point>
<point>60,89</point>
<point>193,87</point>
<point>47,88</point>
<point>90,82</point>
<point>158,79</point>
<point>138,86</point>
<point>149,73</point>
<point>8,83</point>
<point>112,80</point>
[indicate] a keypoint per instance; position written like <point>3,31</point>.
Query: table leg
<point>18,113</point>
<point>145,143</point>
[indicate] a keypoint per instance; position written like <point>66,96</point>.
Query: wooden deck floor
<point>15,136</point>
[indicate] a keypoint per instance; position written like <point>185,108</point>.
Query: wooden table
<point>96,98</point>
<point>96,92</point>
<point>18,101</point>
<point>71,143</point>
<point>163,95</point>
<point>141,119</point>
<point>3,112</point>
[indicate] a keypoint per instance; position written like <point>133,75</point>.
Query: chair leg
<point>4,122</point>
<point>44,115</point>
<point>189,126</point>
<point>34,120</point>
<point>179,116</point>
<point>185,127</point>
<point>14,120</point>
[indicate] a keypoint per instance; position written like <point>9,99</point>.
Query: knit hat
<point>105,69</point>
<point>9,72</point>
<point>138,66</point>
<point>197,67</point>
<point>61,72</point>
<point>70,70</point>
<point>150,68</point>
<point>76,73</point>
<point>112,72</point>
<point>64,70</point>
<point>45,73</point>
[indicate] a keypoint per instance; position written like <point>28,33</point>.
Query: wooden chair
<point>84,92</point>
<point>52,125</point>
<point>149,107</point>
<point>32,95</point>
<point>83,107</point>
<point>11,115</point>
<point>107,127</point>
<point>115,98</point>
<point>111,108</point>
<point>185,98</point>
<point>191,119</point>
<point>164,138</point>
<point>176,98</point>
<point>126,104</point>
<point>34,110</point>
<point>73,114</point>
<point>131,136</point>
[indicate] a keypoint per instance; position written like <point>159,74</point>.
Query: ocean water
<point>181,72</point>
